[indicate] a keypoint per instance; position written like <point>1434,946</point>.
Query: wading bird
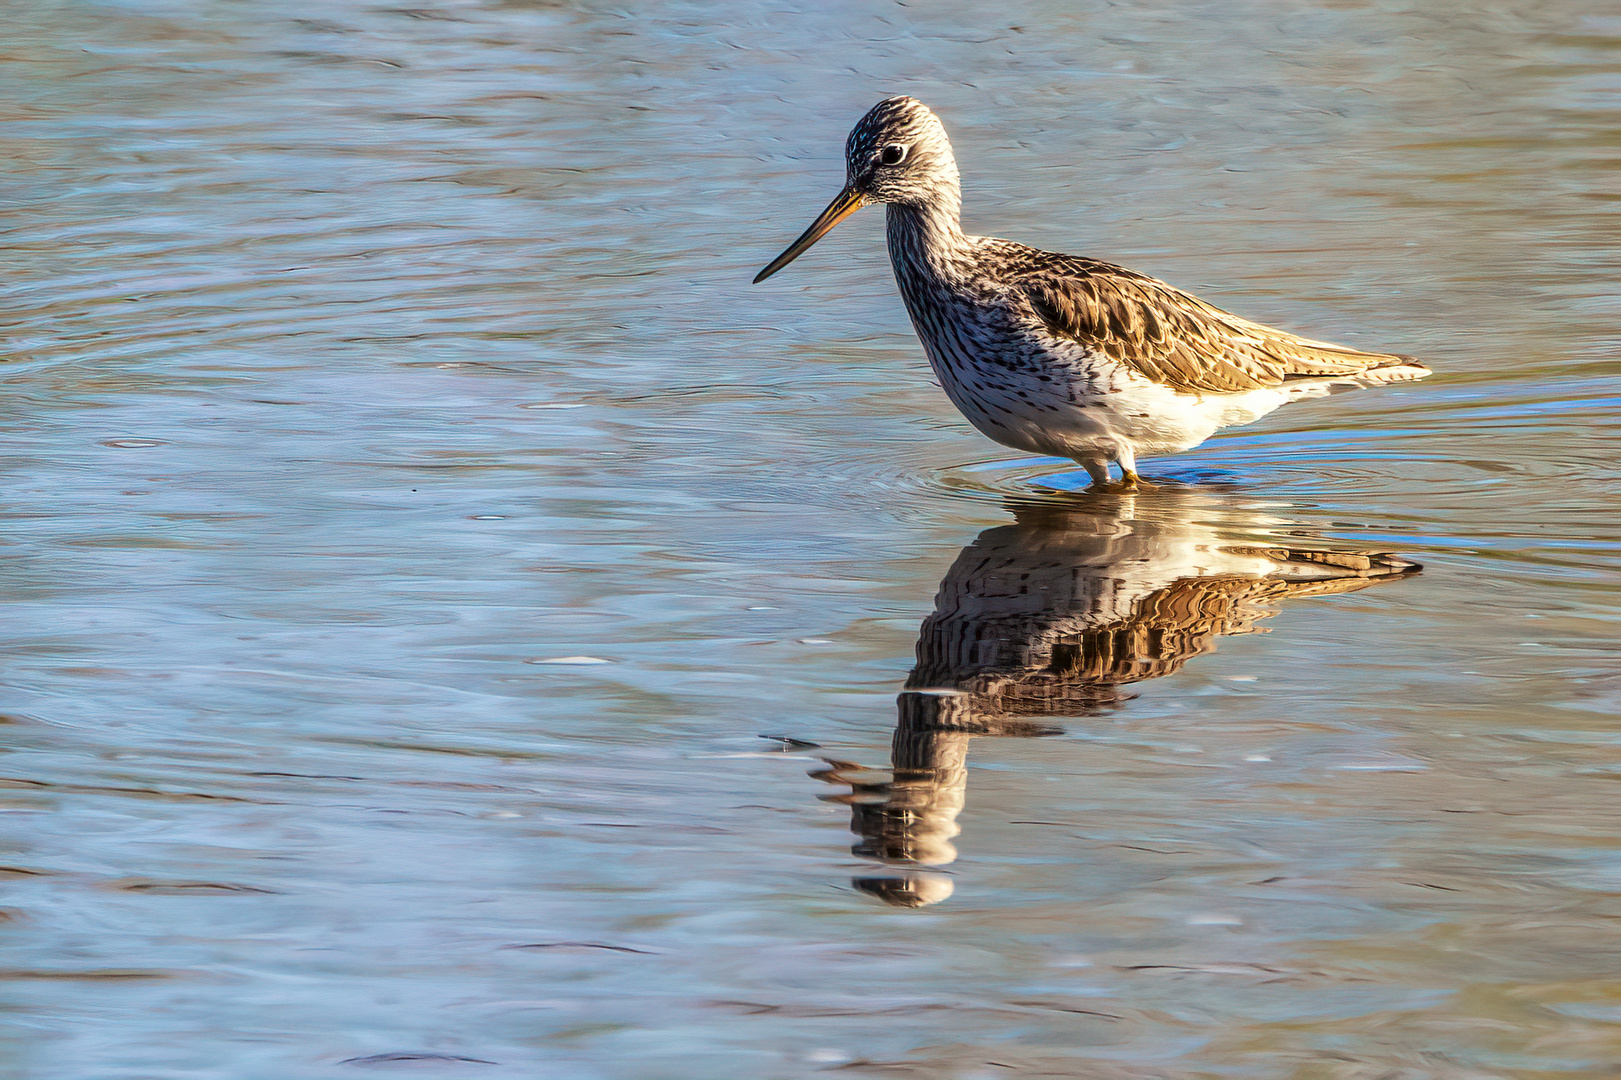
<point>1059,354</point>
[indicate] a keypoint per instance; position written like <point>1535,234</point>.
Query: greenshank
<point>1059,354</point>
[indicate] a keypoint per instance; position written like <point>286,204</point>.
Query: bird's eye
<point>892,154</point>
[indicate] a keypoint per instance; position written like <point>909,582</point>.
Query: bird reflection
<point>1053,616</point>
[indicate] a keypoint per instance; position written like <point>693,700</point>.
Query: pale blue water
<point>414,520</point>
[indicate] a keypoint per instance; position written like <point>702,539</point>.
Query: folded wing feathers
<point>1179,340</point>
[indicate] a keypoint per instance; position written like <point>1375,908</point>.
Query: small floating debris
<point>552,405</point>
<point>570,660</point>
<point>815,641</point>
<point>132,444</point>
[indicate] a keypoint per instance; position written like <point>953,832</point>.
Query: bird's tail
<point>1405,369</point>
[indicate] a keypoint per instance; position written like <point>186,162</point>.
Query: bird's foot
<point>1128,483</point>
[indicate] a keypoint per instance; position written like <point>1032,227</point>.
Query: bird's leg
<point>1127,458</point>
<point>1129,481</point>
<point>1102,485</point>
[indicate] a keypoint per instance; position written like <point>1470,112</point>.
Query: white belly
<point>1092,408</point>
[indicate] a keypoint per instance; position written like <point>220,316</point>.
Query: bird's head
<point>897,153</point>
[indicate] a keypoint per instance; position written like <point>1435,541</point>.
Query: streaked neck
<point>926,234</point>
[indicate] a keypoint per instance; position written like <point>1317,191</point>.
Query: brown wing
<point>1176,339</point>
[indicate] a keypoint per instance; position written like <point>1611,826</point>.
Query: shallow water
<point>414,522</point>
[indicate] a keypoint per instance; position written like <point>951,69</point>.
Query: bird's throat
<point>926,236</point>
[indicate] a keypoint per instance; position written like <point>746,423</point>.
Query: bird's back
<point>1169,336</point>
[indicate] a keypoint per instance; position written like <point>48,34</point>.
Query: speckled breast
<point>1044,397</point>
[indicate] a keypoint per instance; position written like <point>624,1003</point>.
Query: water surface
<point>414,522</point>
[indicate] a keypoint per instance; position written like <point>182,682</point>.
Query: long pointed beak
<point>843,205</point>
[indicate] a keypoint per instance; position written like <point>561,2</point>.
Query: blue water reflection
<point>414,519</point>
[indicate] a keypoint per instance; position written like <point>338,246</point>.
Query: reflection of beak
<point>846,203</point>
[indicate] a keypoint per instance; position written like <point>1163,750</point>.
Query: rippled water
<point>414,521</point>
